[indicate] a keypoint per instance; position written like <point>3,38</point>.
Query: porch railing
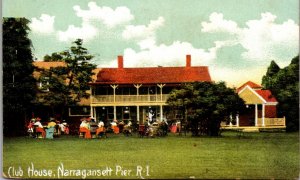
<point>272,121</point>
<point>129,98</point>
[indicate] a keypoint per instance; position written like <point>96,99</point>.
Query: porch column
<point>263,115</point>
<point>94,113</point>
<point>115,108</point>
<point>237,120</point>
<point>161,99</point>
<point>91,107</point>
<point>256,114</point>
<point>137,86</point>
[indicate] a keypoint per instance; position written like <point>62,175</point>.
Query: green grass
<point>254,155</point>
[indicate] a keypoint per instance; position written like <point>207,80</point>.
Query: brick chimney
<point>188,60</point>
<point>120,62</point>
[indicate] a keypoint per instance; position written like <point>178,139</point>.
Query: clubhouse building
<point>136,94</point>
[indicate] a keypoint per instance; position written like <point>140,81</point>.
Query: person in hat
<point>51,123</point>
<point>115,127</point>
<point>39,128</point>
<point>101,129</point>
<point>64,127</point>
<point>30,127</point>
<point>85,128</point>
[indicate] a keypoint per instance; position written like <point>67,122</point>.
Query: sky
<point>236,39</point>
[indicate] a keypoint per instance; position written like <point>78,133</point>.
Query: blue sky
<point>237,39</point>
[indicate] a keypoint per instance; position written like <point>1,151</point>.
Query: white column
<point>263,115</point>
<point>92,111</point>
<point>91,107</point>
<point>137,86</point>
<point>230,122</point>
<point>161,100</point>
<point>115,108</point>
<point>256,114</point>
<point>161,113</point>
<point>115,112</point>
<point>138,114</point>
<point>237,120</point>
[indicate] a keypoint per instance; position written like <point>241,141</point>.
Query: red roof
<point>152,75</point>
<point>250,84</point>
<point>266,95</point>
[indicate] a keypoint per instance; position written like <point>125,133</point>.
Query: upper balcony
<point>136,99</point>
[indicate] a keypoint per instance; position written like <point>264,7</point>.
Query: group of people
<point>86,129</point>
<point>35,127</point>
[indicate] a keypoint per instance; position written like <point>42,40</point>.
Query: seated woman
<point>64,127</point>
<point>85,128</point>
<point>30,127</point>
<point>101,129</point>
<point>50,128</point>
<point>115,127</point>
<point>39,128</point>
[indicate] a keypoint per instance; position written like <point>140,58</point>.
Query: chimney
<point>188,60</point>
<point>120,62</point>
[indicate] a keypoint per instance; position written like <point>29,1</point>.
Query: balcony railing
<point>129,98</point>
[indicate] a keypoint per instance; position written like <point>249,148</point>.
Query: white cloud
<point>44,25</point>
<point>263,39</point>
<point>106,15</point>
<point>142,31</point>
<point>173,55</point>
<point>90,29</point>
<point>219,24</point>
<point>145,35</point>
<point>86,32</point>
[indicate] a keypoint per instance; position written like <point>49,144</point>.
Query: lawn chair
<point>101,133</point>
<point>142,130</point>
<point>38,134</point>
<point>50,133</point>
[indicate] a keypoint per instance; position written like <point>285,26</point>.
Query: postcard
<point>102,89</point>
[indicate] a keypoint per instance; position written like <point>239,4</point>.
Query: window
<point>44,84</point>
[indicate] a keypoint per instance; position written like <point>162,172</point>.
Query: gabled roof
<point>266,95</point>
<point>250,84</point>
<point>152,75</point>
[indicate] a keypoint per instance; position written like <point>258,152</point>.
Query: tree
<point>54,57</point>
<point>69,83</point>
<point>206,105</point>
<point>19,86</point>
<point>285,86</point>
<point>273,69</point>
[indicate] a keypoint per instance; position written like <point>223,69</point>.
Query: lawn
<point>254,155</point>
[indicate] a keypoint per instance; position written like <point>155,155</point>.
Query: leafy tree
<point>273,69</point>
<point>285,86</point>
<point>54,57</point>
<point>206,105</point>
<point>19,86</point>
<point>69,83</point>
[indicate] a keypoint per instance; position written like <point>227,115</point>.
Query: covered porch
<point>260,111</point>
